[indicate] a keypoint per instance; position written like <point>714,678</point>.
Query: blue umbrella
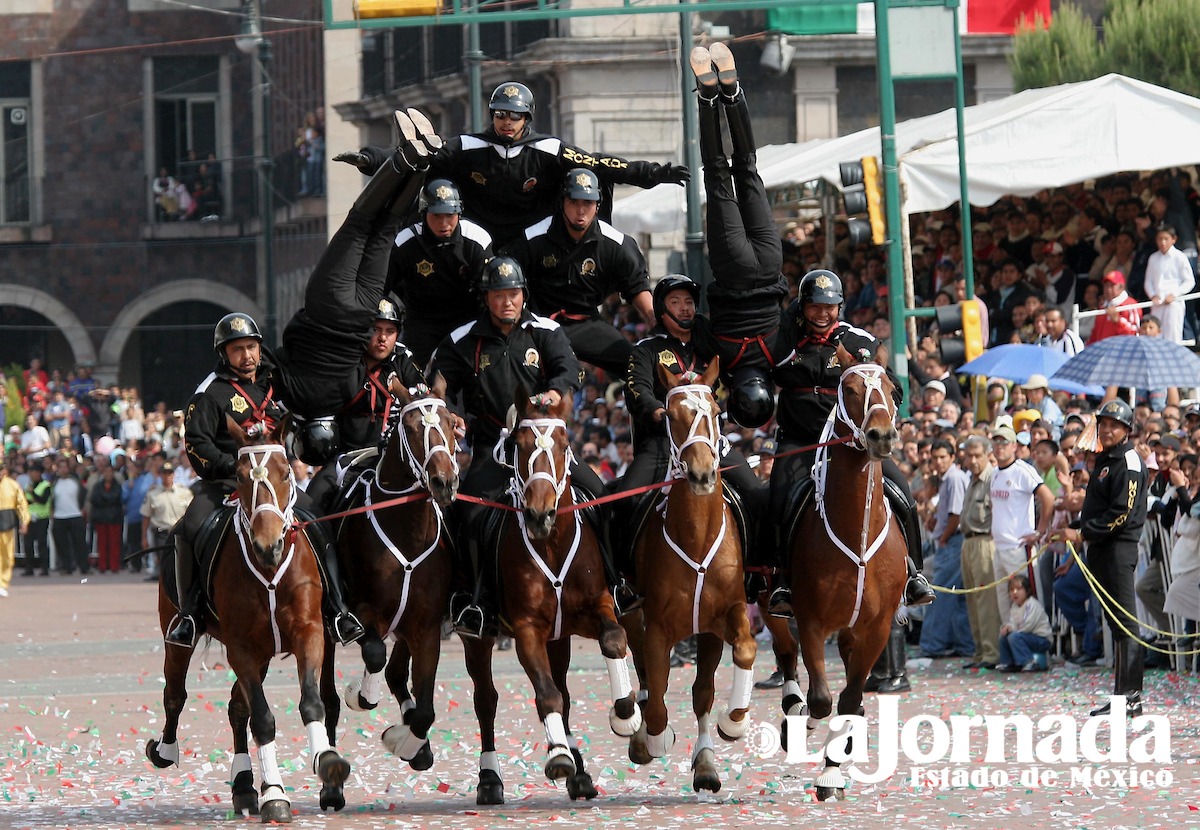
<point>1128,360</point>
<point>1017,361</point>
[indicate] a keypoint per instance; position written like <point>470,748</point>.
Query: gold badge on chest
<point>478,178</point>
<point>666,357</point>
<point>238,404</point>
<point>424,268</point>
<point>485,360</point>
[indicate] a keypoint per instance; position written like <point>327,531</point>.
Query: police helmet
<point>669,283</point>
<point>511,96</point>
<point>751,400</point>
<point>1119,411</point>
<point>583,184</point>
<point>500,273</point>
<point>821,286</point>
<point>232,327</point>
<point>318,441</point>
<point>388,310</point>
<point>440,196</point>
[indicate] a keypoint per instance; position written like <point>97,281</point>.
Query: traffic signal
<point>395,8</point>
<point>862,192</point>
<point>960,333</point>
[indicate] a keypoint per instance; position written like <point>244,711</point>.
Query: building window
<point>15,111</point>
<point>185,112</point>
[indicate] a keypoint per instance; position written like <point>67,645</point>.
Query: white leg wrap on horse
<point>792,689</point>
<point>556,733</point>
<point>618,677</point>
<point>730,727</point>
<point>372,687</point>
<point>269,768</point>
<point>401,741</point>
<point>657,745</point>
<point>318,741</point>
<point>168,752</point>
<point>743,681</point>
<point>643,695</point>
<point>831,777</point>
<point>488,760</point>
<point>241,763</point>
<point>704,742</point>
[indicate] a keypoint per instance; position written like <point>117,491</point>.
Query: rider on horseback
<point>320,369</point>
<point>486,362</point>
<point>808,380</point>
<point>680,342</point>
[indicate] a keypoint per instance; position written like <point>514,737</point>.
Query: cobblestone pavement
<point>81,693</point>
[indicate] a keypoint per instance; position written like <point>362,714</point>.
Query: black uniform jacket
<point>362,420</point>
<point>1114,506</point>
<point>487,367</point>
<point>209,446</point>
<point>508,185</point>
<point>437,278</point>
<point>644,392</point>
<point>575,277</point>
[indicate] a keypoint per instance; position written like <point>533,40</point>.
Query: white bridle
<point>543,444</point>
<point>872,375</point>
<point>431,424</point>
<point>703,429</point>
<point>260,478</point>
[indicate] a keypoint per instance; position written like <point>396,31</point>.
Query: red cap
<point>1115,277</point>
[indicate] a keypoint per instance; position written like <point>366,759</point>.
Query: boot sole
<point>702,67</point>
<point>722,59</point>
<point>429,136</point>
<point>407,130</point>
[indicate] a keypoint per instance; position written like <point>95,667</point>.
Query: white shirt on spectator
<point>1012,503</point>
<point>67,492</point>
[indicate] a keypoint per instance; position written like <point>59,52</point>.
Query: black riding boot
<point>712,146</point>
<point>409,159</point>
<point>473,611</point>
<point>896,663</point>
<point>189,623</point>
<point>625,597</point>
<point>880,672</point>
<point>1128,671</point>
<point>737,117</point>
<point>917,591</point>
<point>346,627</point>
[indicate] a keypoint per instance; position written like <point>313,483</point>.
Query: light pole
<point>250,40</point>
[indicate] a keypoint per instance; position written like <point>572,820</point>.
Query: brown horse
<point>689,562</point>
<point>847,560</point>
<point>265,601</point>
<point>398,563</point>
<point>552,588</point>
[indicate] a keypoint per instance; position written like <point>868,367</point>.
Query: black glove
<point>674,174</point>
<point>367,160</point>
<point>359,160</point>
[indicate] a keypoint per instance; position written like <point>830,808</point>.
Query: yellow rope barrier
<point>1001,581</point>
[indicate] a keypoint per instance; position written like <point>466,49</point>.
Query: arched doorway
<point>25,334</point>
<point>170,351</point>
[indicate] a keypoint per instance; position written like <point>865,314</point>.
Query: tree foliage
<point>1151,40</point>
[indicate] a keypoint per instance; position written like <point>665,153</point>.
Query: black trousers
<point>1114,565</point>
<point>324,341</point>
<point>37,548</point>
<point>70,543</point>
<point>600,344</point>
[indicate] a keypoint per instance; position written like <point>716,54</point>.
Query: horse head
<point>541,468</point>
<point>425,440</point>
<point>266,490</point>
<point>866,400</point>
<point>691,415</point>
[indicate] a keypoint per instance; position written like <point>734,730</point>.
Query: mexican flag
<point>977,17</point>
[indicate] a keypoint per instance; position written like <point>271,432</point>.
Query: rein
<point>872,376</point>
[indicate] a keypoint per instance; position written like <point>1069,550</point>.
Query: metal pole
<point>266,175</point>
<point>891,192</point>
<point>474,82</point>
<point>968,242</point>
<point>694,233</point>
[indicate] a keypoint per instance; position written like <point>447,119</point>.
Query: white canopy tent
<point>1021,144</point>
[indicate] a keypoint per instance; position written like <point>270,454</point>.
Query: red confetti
<point>443,787</point>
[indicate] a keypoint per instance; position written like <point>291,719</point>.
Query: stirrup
<point>625,599</point>
<point>780,603</point>
<point>917,591</point>
<point>184,632</point>
<point>347,629</point>
<point>470,622</point>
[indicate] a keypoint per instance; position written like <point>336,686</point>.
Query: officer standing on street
<point>1114,510</point>
<point>572,261</point>
<point>435,268</point>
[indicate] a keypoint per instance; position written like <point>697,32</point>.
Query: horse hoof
<point>245,796</point>
<point>490,789</point>
<point>354,699</point>
<point>729,729</point>
<point>625,727</point>
<point>423,760</point>
<point>276,811</point>
<point>332,768</point>
<point>827,793</point>
<point>580,786</point>
<point>704,772</point>
<point>156,759</point>
<point>560,765</point>
<point>639,753</point>
<point>332,797</point>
